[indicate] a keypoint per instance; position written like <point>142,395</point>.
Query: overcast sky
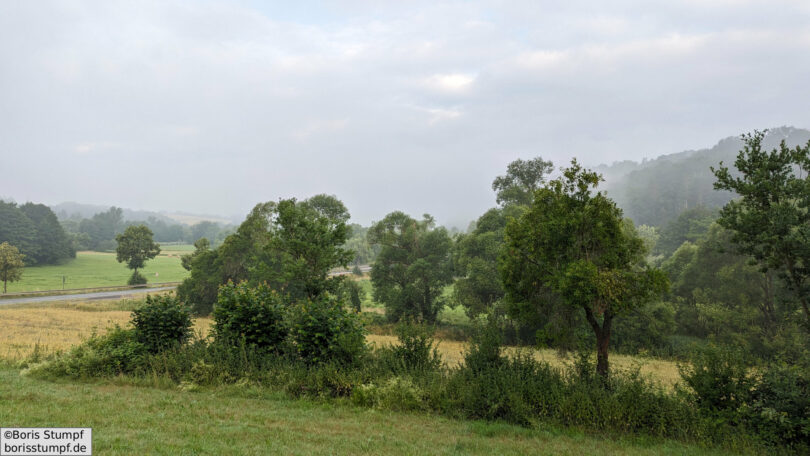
<point>211,107</point>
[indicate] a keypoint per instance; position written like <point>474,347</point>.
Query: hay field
<point>662,371</point>
<point>51,327</point>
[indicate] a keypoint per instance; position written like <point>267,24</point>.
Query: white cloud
<point>451,83</point>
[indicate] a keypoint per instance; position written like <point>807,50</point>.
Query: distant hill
<point>71,210</point>
<point>654,192</point>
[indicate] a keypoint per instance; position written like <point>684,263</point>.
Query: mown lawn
<point>247,420</point>
<point>96,269</point>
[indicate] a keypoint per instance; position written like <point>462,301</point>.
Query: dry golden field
<point>662,371</point>
<point>58,326</point>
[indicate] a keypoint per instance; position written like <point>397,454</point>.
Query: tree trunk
<point>602,343</point>
<point>4,286</point>
<point>602,340</point>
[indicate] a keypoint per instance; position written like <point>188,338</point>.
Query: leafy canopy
<point>412,268</point>
<point>11,264</point>
<point>135,246</point>
<point>573,250</point>
<point>522,178</point>
<point>771,220</point>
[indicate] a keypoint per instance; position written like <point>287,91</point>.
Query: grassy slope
<point>95,269</point>
<point>144,420</point>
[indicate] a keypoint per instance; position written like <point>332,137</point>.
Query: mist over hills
<point>72,210</point>
<point>653,192</point>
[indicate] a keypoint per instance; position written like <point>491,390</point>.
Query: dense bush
<point>254,315</point>
<point>779,409</point>
<point>416,351</point>
<point>162,322</point>
<point>719,379</point>
<point>116,352</point>
<point>323,330</point>
<point>136,279</point>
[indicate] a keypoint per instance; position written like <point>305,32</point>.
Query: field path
<point>83,296</point>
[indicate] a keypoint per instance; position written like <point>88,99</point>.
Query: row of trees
<point>556,256</point>
<point>36,232</point>
<point>99,231</point>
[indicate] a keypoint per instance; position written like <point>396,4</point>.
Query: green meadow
<point>98,269</point>
<point>128,419</point>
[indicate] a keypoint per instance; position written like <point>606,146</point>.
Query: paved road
<point>84,296</point>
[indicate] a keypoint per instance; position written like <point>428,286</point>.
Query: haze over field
<point>212,107</point>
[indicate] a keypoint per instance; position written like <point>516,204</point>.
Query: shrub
<point>398,393</point>
<point>323,330</point>
<point>719,379</point>
<point>485,348</point>
<point>253,315</point>
<point>417,350</point>
<point>116,352</point>
<point>779,411</point>
<point>136,279</point>
<point>162,322</point>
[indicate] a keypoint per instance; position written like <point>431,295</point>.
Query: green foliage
<point>322,330</point>
<point>101,229</point>
<point>135,246</point>
<point>352,292</point>
<point>719,379</point>
<point>690,226</point>
<point>116,352</point>
<point>253,315</point>
<point>522,178</point>
<point>35,231</point>
<point>779,410</point>
<point>201,245</point>
<point>53,244</point>
<point>11,264</point>
<point>478,286</point>
<point>364,252</point>
<point>136,279</point>
<point>412,268</point>
<point>646,328</point>
<point>416,351</point>
<point>572,250</point>
<point>162,322</point>
<point>771,221</point>
<point>291,245</point>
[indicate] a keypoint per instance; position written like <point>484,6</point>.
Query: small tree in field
<point>11,264</point>
<point>135,246</point>
<point>572,250</point>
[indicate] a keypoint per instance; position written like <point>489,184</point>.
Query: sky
<point>211,106</point>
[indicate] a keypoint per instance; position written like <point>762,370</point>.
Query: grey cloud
<point>212,107</point>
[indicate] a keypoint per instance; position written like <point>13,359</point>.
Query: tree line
<point>98,232</point>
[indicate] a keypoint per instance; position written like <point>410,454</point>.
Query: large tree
<point>478,287</point>
<point>572,250</point>
<point>135,246</point>
<point>771,218</point>
<point>53,243</point>
<point>412,268</point>
<point>291,245</point>
<point>11,264</point>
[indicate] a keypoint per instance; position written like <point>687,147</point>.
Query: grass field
<point>96,269</point>
<point>244,420</point>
